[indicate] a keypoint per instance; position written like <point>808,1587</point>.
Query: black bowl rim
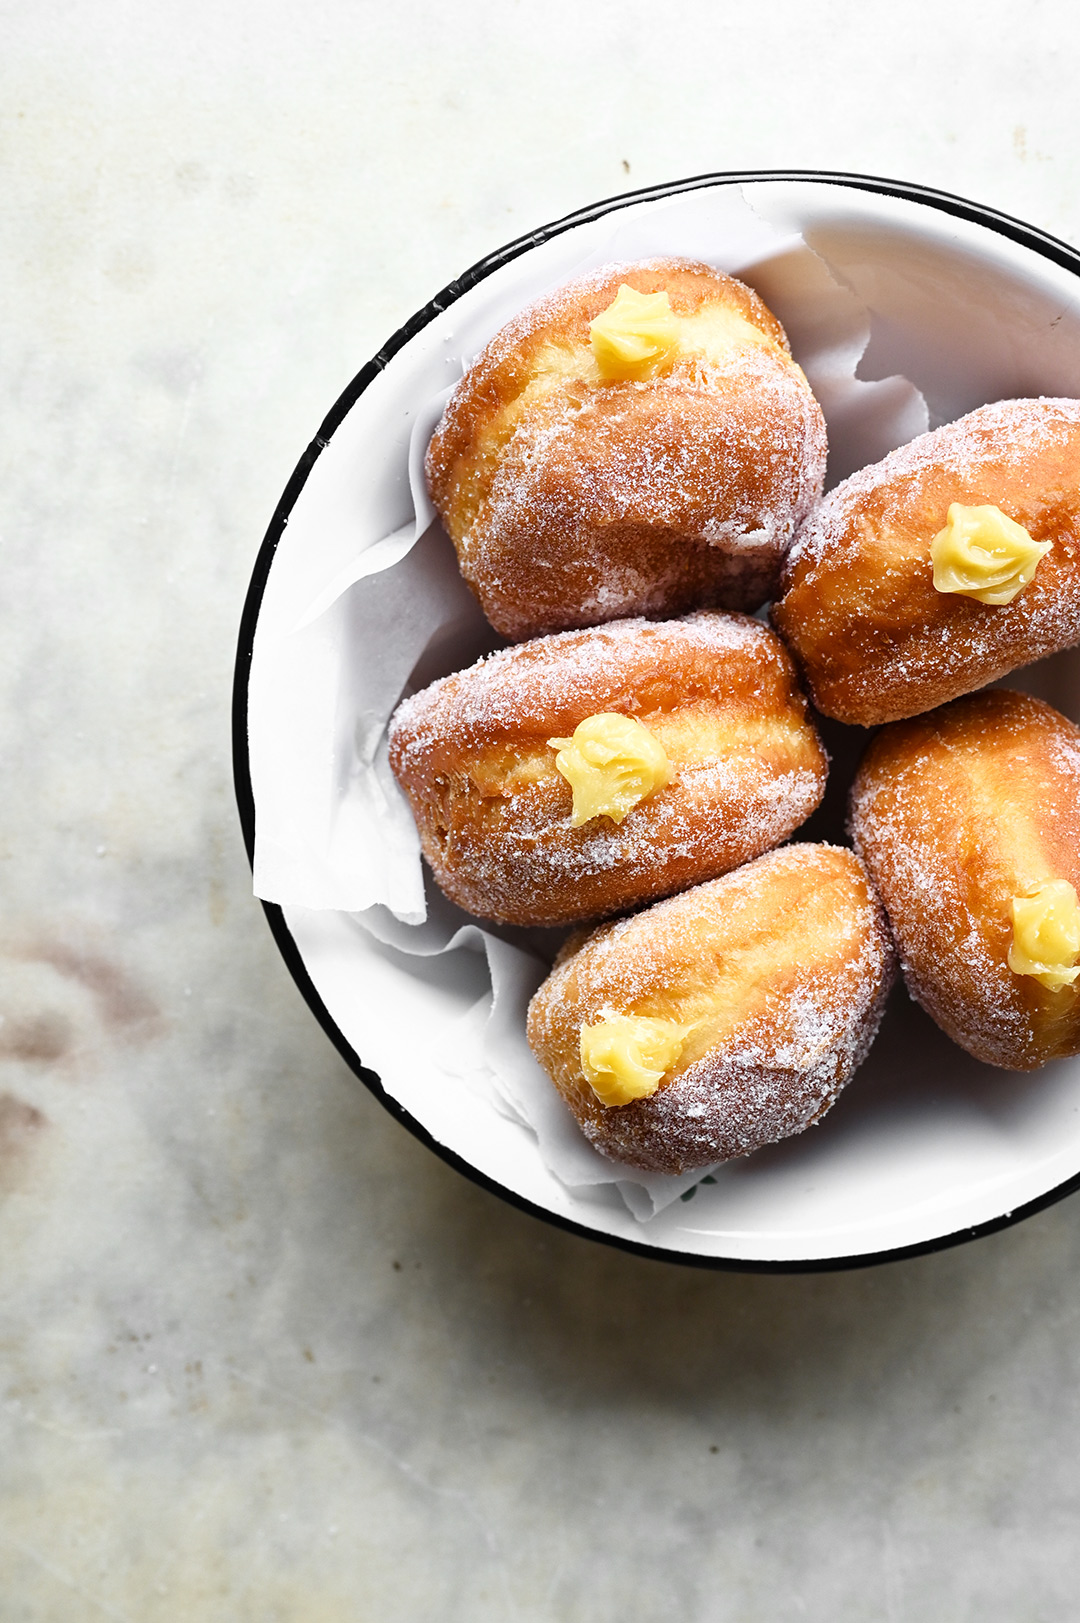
<point>1005,225</point>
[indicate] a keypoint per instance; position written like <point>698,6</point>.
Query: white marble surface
<point>263,1359</point>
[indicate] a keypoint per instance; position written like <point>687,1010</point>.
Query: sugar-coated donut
<point>594,464</point>
<point>969,821</point>
<point>693,732</point>
<point>875,638</point>
<point>727,1018</point>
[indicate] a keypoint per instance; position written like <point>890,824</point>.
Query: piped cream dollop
<point>984,554</point>
<point>1046,935</point>
<point>635,336</point>
<point>626,1056</point>
<point>612,763</point>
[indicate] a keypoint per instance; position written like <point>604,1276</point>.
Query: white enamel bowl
<point>925,1148</point>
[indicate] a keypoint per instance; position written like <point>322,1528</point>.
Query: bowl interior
<point>925,1144</point>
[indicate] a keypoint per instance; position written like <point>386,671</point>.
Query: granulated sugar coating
<point>717,690</point>
<point>874,639</point>
<point>572,500</point>
<point>954,814</point>
<point>781,969</point>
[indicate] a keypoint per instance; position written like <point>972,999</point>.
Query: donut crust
<point>471,753</point>
<point>572,500</point>
<point>785,966</point>
<point>954,814</point>
<point>874,640</point>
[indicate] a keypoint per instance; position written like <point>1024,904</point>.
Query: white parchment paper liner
<point>379,608</point>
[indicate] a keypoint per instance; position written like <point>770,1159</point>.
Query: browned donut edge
<point>952,812</point>
<point>504,849</point>
<point>785,1063</point>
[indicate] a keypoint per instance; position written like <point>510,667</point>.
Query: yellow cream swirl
<point>626,1056</point>
<point>635,336</point>
<point>1046,935</point>
<point>612,762</point>
<point>984,554</point>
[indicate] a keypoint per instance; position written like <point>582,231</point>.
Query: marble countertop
<point>263,1358</point>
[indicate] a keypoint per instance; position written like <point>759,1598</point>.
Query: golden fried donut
<point>614,453</point>
<point>720,1020</point>
<point>969,821</point>
<point>570,777</point>
<point>905,589</point>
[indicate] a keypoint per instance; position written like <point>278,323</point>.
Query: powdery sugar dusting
<point>514,689</point>
<point>926,910</point>
<point>1004,429</point>
<point>645,497</point>
<point>782,1069</point>
<point>514,855</point>
<point>550,309</point>
<point>759,1092</point>
<point>875,640</point>
<point>947,861</point>
<point>717,817</point>
<point>673,456</point>
<point>636,477</point>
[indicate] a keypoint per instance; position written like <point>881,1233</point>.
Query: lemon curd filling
<point>626,1056</point>
<point>1046,935</point>
<point>635,335</point>
<point>984,554</point>
<point>611,763</point>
